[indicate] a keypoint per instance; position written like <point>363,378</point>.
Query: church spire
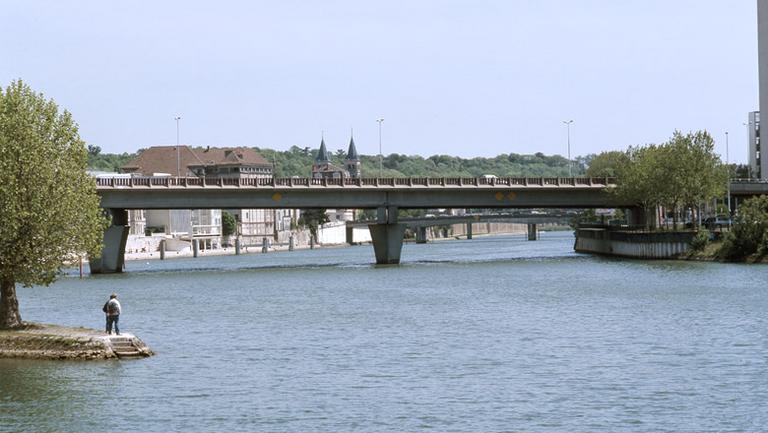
<point>322,154</point>
<point>352,152</point>
<point>353,159</point>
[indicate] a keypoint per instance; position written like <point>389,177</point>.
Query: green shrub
<point>748,235</point>
<point>763,248</point>
<point>701,240</point>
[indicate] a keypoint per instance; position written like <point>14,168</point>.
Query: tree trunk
<point>9,305</point>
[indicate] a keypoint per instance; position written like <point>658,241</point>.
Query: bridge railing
<point>167,181</point>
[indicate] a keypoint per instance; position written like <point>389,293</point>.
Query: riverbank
<point>711,253</point>
<point>45,341</point>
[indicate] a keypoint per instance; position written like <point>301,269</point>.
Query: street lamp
<point>728,167</point>
<point>570,165</point>
<point>379,121</point>
<point>178,151</point>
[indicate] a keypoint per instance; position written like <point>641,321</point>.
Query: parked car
<point>717,222</point>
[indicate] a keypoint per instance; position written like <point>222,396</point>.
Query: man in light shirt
<point>112,310</point>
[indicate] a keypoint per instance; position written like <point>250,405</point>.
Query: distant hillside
<point>298,162</point>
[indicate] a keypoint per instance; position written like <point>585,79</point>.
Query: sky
<point>466,78</point>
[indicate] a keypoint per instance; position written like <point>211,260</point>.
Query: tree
<point>312,218</point>
<point>749,234</point>
<point>695,171</point>
<point>683,172</point>
<point>49,208</point>
<point>608,164</point>
<point>228,224</point>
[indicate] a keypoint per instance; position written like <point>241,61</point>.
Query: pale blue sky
<point>468,78</point>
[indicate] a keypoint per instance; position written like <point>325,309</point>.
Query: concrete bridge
<point>742,189</point>
<point>420,224</point>
<point>387,195</point>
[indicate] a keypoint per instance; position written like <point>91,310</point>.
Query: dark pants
<point>110,321</point>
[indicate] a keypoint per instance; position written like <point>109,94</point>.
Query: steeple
<point>322,154</point>
<point>352,152</point>
<point>353,159</point>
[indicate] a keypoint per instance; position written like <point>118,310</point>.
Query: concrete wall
<point>642,245</point>
<point>335,233</point>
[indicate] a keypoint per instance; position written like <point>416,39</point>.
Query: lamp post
<point>570,165</point>
<point>728,185</point>
<point>178,151</point>
<point>379,121</point>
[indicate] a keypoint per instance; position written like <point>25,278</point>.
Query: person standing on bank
<point>113,310</point>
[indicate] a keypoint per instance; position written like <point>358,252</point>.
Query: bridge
<point>420,224</point>
<point>745,188</point>
<point>386,195</point>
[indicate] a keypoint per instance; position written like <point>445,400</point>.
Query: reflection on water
<point>493,334</point>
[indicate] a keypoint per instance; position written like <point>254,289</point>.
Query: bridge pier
<point>387,242</point>
<point>533,232</point>
<point>387,236</point>
<point>350,235</point>
<point>469,230</point>
<point>636,216</point>
<point>112,257</point>
<point>421,235</point>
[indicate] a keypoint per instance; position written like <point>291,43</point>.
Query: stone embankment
<point>41,341</point>
<point>634,244</point>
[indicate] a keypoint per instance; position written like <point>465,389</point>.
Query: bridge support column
<point>112,257</point>
<point>533,232</point>
<point>162,249</point>
<point>421,235</point>
<point>636,216</point>
<point>264,245</point>
<point>387,242</point>
<point>195,247</point>
<point>291,243</point>
<point>237,245</point>
<point>350,235</point>
<point>469,230</point>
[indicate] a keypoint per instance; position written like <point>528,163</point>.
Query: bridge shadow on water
<point>486,249</point>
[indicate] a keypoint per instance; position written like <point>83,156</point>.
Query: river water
<point>488,335</point>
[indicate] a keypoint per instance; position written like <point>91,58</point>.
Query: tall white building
<point>757,162</point>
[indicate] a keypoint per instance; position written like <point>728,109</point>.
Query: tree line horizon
<point>297,161</point>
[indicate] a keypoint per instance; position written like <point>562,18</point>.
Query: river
<point>487,335</point>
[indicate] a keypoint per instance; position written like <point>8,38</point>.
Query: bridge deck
<point>353,193</point>
<point>353,183</point>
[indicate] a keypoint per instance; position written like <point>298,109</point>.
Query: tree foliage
<point>311,219</point>
<point>228,224</point>
<point>682,173</point>
<point>749,234</point>
<point>608,164</point>
<point>107,161</point>
<point>297,161</point>
<point>48,204</point>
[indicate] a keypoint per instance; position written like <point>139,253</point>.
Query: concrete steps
<point>124,347</point>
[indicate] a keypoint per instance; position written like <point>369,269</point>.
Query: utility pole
<point>728,166</point>
<point>178,151</point>
<point>570,165</point>
<point>380,120</point>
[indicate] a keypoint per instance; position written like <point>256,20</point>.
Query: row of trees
<point>298,161</point>
<point>679,175</point>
